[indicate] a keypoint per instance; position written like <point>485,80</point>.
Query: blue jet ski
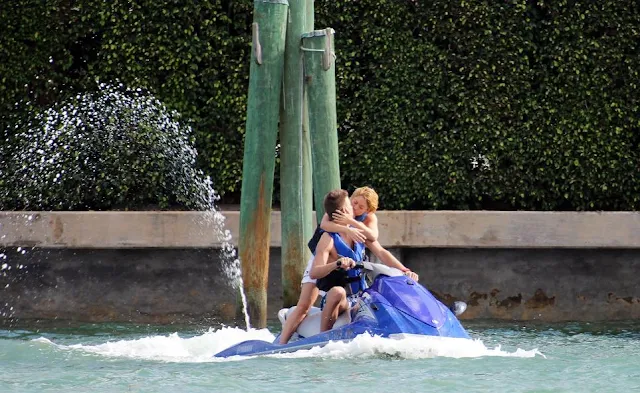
<point>393,306</point>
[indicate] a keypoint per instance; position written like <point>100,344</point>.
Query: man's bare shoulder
<point>326,241</point>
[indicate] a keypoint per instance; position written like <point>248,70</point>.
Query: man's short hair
<point>334,200</point>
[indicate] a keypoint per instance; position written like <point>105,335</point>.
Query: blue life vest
<point>361,217</point>
<point>356,253</point>
<point>313,243</point>
<point>353,279</point>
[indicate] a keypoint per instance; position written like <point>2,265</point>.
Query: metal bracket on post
<point>327,56</point>
<point>257,48</point>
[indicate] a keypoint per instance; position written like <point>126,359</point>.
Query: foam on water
<point>171,348</point>
<point>201,348</point>
<point>413,347</point>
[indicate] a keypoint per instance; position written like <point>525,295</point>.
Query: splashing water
<point>232,268</point>
<point>91,151</point>
<point>10,273</point>
<point>589,357</point>
<point>201,348</point>
<point>101,150</point>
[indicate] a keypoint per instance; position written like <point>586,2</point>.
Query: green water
<point>504,357</point>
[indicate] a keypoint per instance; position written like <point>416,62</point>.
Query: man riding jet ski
<point>345,227</point>
<point>393,306</point>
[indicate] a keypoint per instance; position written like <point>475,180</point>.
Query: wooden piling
<point>320,85</point>
<point>263,107</point>
<point>295,159</point>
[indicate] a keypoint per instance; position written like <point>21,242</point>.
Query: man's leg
<point>335,304</point>
<point>308,296</point>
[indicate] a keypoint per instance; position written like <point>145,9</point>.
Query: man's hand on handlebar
<point>347,263</point>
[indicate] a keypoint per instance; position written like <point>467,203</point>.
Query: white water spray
<point>201,348</point>
<point>91,150</point>
<point>231,267</point>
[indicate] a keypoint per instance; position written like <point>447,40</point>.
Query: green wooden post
<point>320,84</point>
<point>263,106</point>
<point>310,15</point>
<point>295,159</point>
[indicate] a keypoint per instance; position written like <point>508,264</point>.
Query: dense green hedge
<point>115,148</point>
<point>193,56</point>
<point>545,94</point>
<point>441,104</point>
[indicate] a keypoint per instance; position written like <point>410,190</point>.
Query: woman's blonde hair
<point>369,195</point>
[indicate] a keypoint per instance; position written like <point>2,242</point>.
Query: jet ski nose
<point>458,307</point>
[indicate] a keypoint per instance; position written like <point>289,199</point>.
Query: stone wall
<point>142,285</point>
<point>166,267</point>
<point>534,284</point>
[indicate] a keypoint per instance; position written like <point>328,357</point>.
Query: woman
<point>364,201</point>
<point>362,226</point>
<point>359,225</point>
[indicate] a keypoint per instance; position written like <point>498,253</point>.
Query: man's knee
<point>336,294</point>
<point>338,291</point>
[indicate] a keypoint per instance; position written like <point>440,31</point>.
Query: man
<point>344,253</point>
<point>342,250</point>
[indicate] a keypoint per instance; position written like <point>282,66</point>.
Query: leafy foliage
<point>115,148</point>
<point>468,104</point>
<point>465,104</point>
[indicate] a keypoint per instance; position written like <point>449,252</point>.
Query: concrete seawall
<point>403,229</point>
<point>165,267</point>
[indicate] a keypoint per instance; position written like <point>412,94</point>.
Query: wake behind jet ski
<point>394,306</point>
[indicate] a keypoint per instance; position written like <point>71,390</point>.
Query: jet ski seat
<point>311,324</point>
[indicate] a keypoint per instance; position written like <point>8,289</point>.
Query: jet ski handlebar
<point>378,268</point>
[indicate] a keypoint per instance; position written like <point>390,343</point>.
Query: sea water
<point>501,357</point>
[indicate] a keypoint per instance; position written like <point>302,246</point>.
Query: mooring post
<point>263,107</point>
<point>295,158</point>
<point>320,85</point>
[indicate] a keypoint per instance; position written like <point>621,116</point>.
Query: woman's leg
<point>308,296</point>
<point>335,304</point>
